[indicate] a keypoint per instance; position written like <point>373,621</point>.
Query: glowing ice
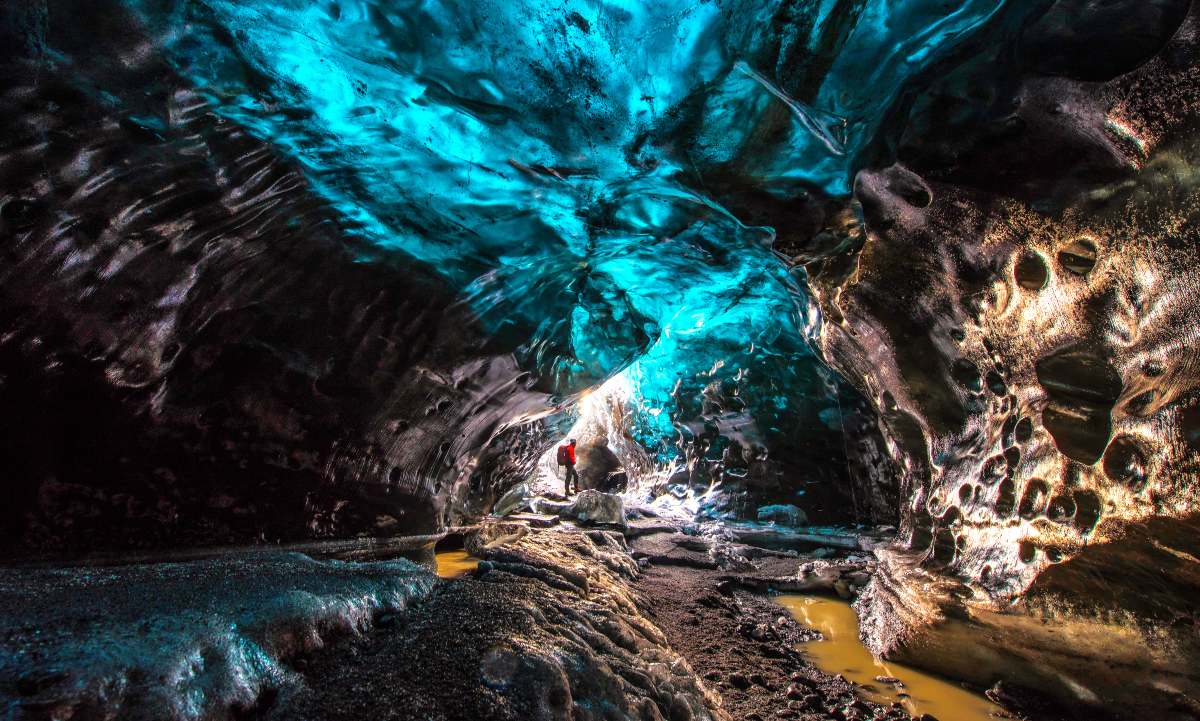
<point>551,162</point>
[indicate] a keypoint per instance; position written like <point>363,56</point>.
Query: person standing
<point>566,457</point>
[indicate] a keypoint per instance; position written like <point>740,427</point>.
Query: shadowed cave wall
<point>194,350</point>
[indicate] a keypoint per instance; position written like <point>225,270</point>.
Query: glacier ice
<point>554,163</point>
<point>181,641</point>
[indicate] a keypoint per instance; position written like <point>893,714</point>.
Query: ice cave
<point>599,360</point>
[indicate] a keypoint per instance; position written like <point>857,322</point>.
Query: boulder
<point>616,482</point>
<point>535,520</point>
<point>513,501</point>
<point>595,507</point>
<point>675,549</point>
<point>549,506</point>
<point>783,514</point>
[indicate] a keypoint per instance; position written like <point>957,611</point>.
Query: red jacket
<point>571,454</point>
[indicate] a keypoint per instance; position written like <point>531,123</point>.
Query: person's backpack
<point>562,456</point>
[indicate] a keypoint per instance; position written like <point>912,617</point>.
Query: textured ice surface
<point>552,161</point>
<point>179,640</point>
<point>311,259</point>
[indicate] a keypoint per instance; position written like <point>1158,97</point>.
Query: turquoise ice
<point>551,161</point>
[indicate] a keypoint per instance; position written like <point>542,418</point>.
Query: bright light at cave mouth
<point>607,414</point>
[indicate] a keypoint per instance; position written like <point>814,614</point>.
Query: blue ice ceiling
<point>549,160</point>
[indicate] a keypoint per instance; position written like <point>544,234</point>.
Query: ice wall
<point>553,161</point>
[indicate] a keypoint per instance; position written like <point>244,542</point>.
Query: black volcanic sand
<point>743,645</point>
<point>427,663</point>
<point>563,624</point>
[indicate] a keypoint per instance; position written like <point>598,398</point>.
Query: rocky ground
<point>632,621</point>
<point>741,642</point>
<point>563,623</point>
<point>743,645</point>
<point>548,627</point>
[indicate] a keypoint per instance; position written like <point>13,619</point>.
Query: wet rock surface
<point>1016,314</point>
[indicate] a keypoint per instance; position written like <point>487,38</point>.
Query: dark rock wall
<point>1022,315</point>
<point>191,352</point>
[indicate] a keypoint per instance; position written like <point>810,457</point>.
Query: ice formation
<point>180,641</point>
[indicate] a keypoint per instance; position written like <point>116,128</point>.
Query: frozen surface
<point>179,640</point>
<point>569,167</point>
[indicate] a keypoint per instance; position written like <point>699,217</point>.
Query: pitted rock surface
<point>1018,314</point>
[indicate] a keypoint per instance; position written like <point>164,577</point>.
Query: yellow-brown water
<point>842,652</point>
<point>455,563</point>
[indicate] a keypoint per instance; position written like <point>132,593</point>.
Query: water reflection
<point>451,564</point>
<point>842,652</point>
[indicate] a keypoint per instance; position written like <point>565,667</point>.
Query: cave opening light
<point>606,416</point>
